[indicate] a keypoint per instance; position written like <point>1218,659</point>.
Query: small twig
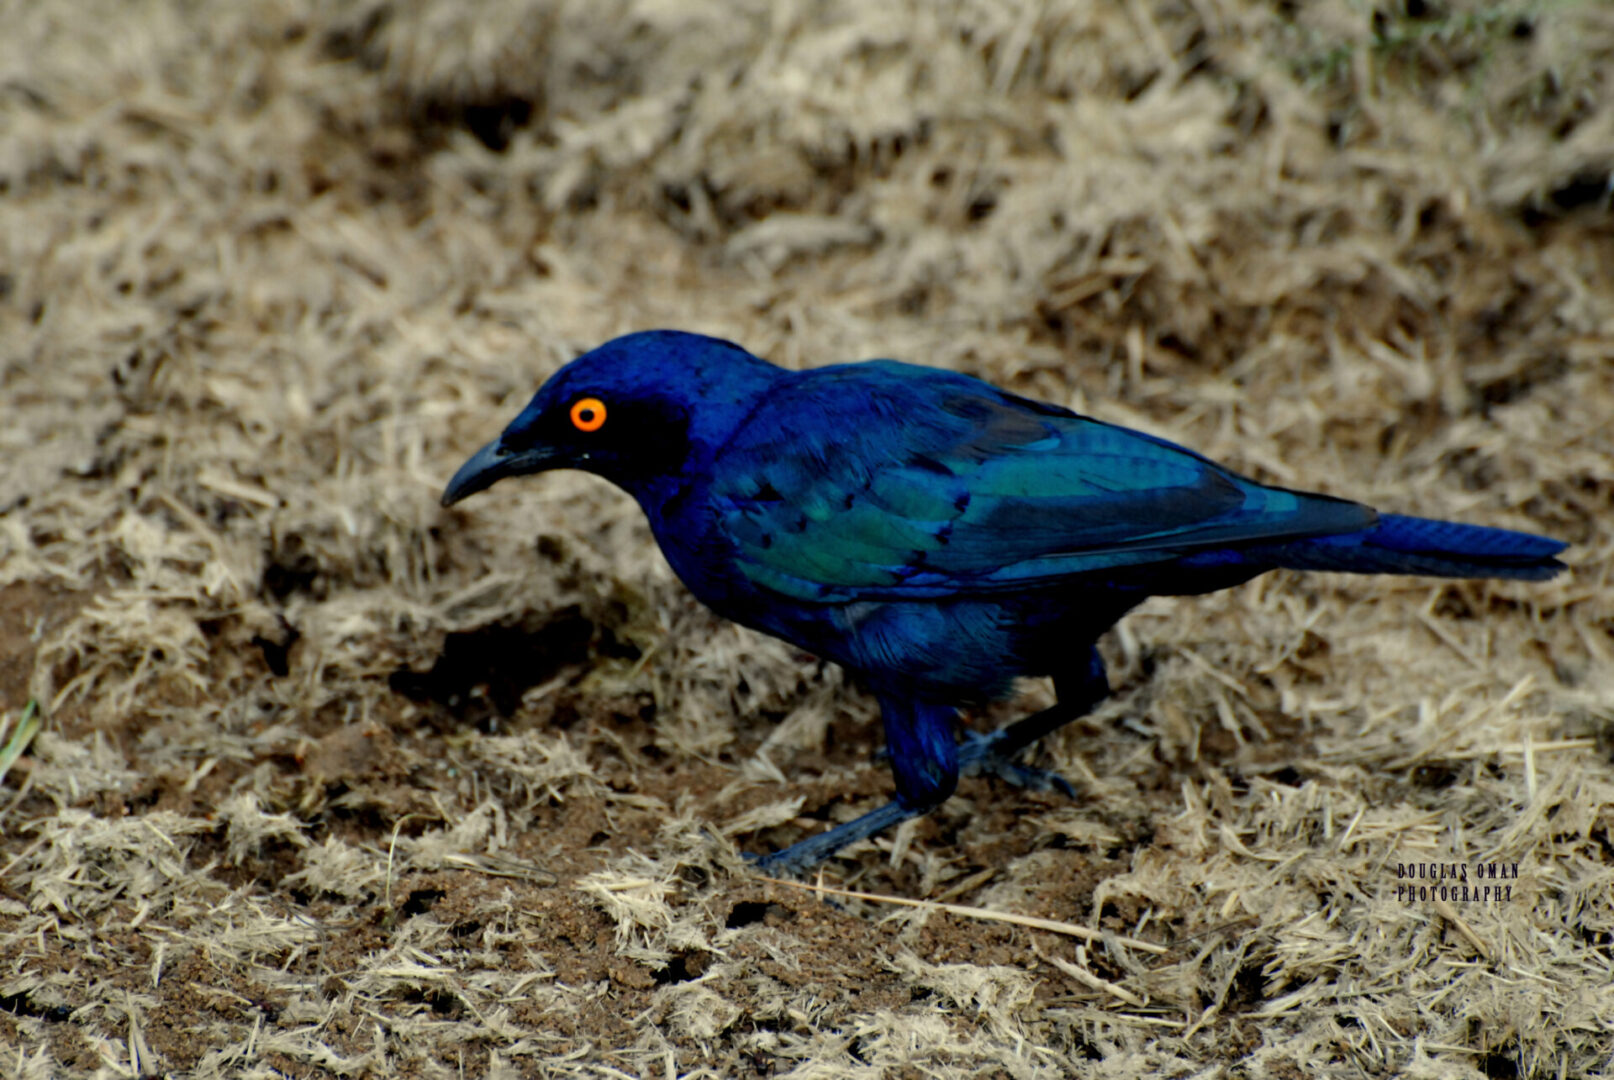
<point>1247,920</point>
<point>1551,746</point>
<point>1029,921</point>
<point>628,884</point>
<point>1111,1015</point>
<point>392,846</point>
<point>498,866</point>
<point>968,885</point>
<point>1529,769</point>
<point>21,855</point>
<point>1449,913</point>
<point>1090,980</point>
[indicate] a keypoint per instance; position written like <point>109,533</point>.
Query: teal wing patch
<point>885,481</point>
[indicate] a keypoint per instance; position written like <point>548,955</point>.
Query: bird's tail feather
<point>1397,544</point>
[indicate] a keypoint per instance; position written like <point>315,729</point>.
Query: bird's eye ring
<point>588,414</point>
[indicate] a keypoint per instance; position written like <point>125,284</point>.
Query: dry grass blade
<point>18,736</point>
<point>965,911</point>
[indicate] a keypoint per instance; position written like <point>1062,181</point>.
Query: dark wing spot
<point>962,503</point>
<point>766,541</point>
<point>767,493</point>
<point>966,407</point>
<point>847,502</point>
<point>930,464</point>
<point>919,558</point>
<point>800,524</point>
<point>944,535</point>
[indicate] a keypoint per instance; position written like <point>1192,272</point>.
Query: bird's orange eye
<point>588,414</point>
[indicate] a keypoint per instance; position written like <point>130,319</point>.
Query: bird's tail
<point>1409,545</point>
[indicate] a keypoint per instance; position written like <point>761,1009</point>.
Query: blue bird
<point>936,536</point>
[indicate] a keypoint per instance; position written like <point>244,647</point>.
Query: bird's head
<point>638,410</point>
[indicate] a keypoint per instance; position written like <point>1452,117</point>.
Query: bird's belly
<point>958,650</point>
<point>953,650</point>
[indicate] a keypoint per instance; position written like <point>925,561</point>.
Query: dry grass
<point>335,783</point>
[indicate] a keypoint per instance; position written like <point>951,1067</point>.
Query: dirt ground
<point>333,782</point>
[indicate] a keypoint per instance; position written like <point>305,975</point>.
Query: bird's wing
<point>889,481</point>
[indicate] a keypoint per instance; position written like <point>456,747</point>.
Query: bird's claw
<point>1027,777</point>
<point>983,755</point>
<point>805,854</point>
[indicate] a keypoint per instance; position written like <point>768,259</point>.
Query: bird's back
<point>888,481</point>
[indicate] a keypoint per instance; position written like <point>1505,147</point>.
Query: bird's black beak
<point>493,463</point>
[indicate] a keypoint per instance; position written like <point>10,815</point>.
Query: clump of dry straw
<point>335,783</point>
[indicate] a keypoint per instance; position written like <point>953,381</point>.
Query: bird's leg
<point>815,849</point>
<point>994,754</point>
<point>924,762</point>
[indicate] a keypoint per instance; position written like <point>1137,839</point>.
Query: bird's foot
<point>808,853</point>
<point>987,755</point>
